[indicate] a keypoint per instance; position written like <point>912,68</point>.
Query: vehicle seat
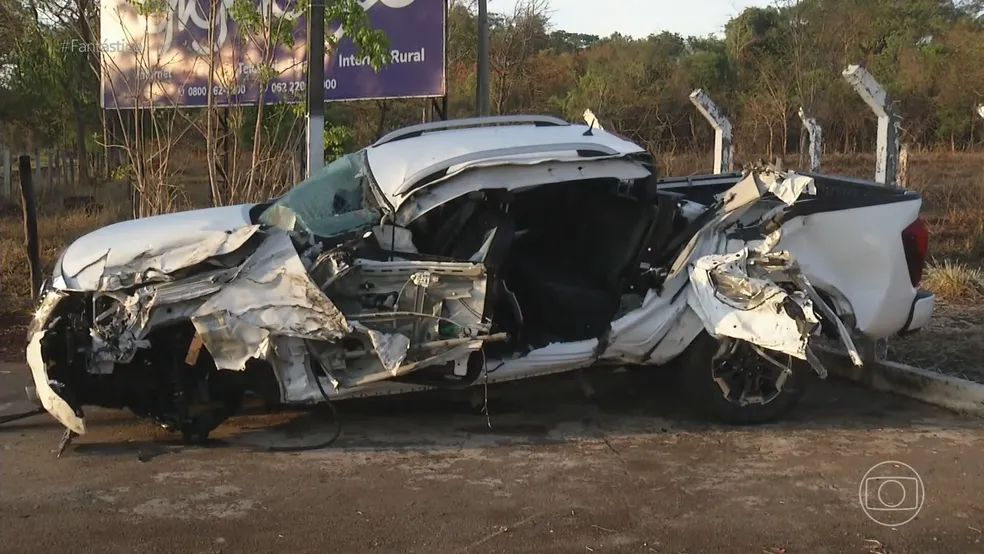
<point>473,234</point>
<point>568,273</point>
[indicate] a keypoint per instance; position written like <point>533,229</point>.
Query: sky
<point>639,18</point>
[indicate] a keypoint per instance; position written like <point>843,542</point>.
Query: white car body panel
<point>922,312</point>
<point>395,164</point>
<point>858,253</point>
<point>855,255</point>
<point>514,177</point>
<point>152,242</point>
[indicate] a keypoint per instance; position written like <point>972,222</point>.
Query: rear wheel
<point>732,382</point>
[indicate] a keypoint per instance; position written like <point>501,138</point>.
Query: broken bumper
<point>44,387</point>
<point>920,312</point>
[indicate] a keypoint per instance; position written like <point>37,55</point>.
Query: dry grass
<point>57,228</point>
<point>954,280</point>
<point>952,187</point>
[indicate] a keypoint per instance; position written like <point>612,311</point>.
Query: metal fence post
<point>889,120</point>
<point>815,134</point>
<point>30,213</point>
<point>723,148</point>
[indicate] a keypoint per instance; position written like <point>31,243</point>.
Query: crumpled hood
<point>148,249</point>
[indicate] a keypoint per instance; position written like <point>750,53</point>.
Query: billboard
<point>164,59</point>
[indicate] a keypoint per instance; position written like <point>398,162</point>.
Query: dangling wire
<point>485,384</point>
<point>325,444</point>
<point>486,372</point>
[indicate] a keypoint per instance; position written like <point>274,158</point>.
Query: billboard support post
<point>482,89</point>
<point>442,109</point>
<point>315,88</point>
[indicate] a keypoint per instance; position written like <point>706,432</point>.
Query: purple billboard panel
<point>163,60</point>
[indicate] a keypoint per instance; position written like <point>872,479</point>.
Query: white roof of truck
<point>432,151</point>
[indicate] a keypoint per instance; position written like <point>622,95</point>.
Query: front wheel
<point>732,382</point>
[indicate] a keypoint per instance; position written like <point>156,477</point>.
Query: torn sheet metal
<point>828,313</point>
<point>734,204</point>
<point>157,265</point>
<point>45,388</point>
<point>118,332</point>
<point>787,186</point>
<point>390,348</point>
<point>732,303</point>
<point>790,188</point>
<point>733,287</point>
<point>732,293</point>
<point>272,294</point>
<point>291,360</point>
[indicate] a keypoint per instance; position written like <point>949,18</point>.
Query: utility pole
<point>315,87</point>
<point>482,89</point>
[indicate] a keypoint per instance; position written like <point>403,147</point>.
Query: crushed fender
<point>272,294</point>
<point>737,294</point>
<point>734,300</point>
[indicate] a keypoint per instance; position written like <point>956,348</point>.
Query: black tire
<point>708,397</point>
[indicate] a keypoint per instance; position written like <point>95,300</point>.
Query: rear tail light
<point>915,242</point>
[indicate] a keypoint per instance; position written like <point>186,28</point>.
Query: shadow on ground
<point>547,410</point>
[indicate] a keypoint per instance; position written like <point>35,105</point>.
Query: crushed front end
<point>70,365</point>
<point>48,357</point>
<point>278,318</point>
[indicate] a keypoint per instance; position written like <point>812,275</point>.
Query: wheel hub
<point>749,375</point>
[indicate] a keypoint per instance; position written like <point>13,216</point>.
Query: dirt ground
<point>628,471</point>
<point>952,344</point>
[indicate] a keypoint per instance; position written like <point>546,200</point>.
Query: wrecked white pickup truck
<point>472,251</point>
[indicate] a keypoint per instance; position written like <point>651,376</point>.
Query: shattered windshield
<point>329,203</point>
